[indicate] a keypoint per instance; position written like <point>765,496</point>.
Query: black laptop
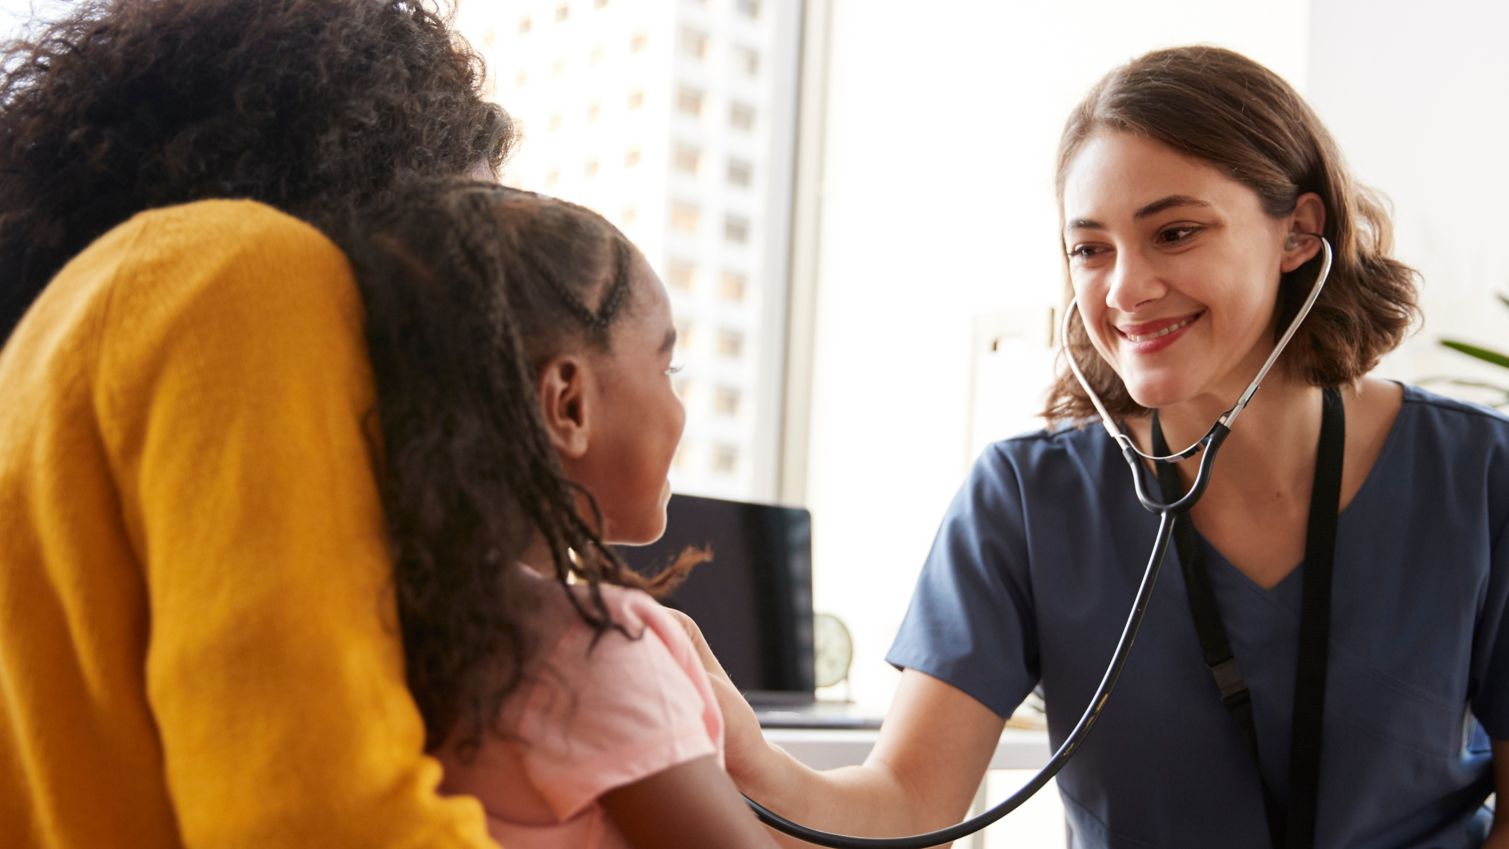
<point>753,602</point>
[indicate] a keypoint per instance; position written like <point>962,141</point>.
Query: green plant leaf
<point>1487,356</point>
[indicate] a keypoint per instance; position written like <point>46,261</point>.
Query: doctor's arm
<point>934,748</point>
<point>1498,838</point>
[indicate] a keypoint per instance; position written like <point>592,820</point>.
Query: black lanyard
<point>1293,828</point>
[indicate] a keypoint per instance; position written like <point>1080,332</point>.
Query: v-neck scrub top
<point>1033,573</point>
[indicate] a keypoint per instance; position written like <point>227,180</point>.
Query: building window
<point>636,100</point>
<point>553,176</point>
<point>747,60</point>
<point>749,8</point>
<point>681,275</point>
<point>725,459</point>
<point>523,25</point>
<point>684,216</point>
<point>686,159</point>
<point>559,68</point>
<point>555,121</point>
<point>740,173</point>
<point>630,215</point>
<point>598,52</point>
<point>631,157</point>
<point>590,169</point>
<point>521,78</point>
<point>601,4</point>
<point>730,343</point>
<point>733,286</point>
<point>741,116</point>
<point>726,401</point>
<point>562,12</point>
<point>736,229</point>
<point>594,110</point>
<point>689,102</point>
<point>694,43</point>
<point>639,42</point>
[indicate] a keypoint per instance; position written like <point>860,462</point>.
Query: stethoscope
<point>1210,443</point>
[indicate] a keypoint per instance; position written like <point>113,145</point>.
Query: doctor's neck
<point>1273,438</point>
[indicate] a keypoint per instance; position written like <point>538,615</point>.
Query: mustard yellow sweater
<point>197,638</point>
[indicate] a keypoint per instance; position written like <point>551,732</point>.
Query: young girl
<point>522,353</point>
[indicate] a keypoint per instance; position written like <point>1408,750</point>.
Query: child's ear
<point>562,389</point>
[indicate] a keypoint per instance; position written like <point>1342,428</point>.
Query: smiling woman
<point>1330,664</point>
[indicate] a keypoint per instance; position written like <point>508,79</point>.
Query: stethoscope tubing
<point>1060,757</point>
<point>1167,514</point>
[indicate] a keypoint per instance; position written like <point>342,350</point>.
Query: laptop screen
<point>753,600</point>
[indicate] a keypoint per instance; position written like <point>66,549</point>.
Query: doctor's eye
<point>1085,253</point>
<point>1176,234</point>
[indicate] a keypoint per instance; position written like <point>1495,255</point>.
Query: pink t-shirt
<point>584,723</point>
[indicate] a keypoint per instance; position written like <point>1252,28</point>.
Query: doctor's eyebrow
<point>1157,206</point>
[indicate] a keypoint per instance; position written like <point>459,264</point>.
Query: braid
<point>467,286</point>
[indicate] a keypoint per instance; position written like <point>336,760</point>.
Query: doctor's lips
<point>1149,331</point>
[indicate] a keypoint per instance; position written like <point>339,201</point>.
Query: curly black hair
<point>469,288</point>
<point>313,106</point>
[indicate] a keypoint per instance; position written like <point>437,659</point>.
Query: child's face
<point>638,419</point>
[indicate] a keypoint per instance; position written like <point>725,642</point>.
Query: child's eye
<point>1083,253</point>
<point>674,369</point>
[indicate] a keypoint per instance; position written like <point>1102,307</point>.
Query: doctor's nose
<point>1133,281</point>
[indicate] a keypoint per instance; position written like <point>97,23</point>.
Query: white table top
<point>829,748</point>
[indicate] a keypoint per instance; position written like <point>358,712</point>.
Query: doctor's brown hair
<point>1226,110</point>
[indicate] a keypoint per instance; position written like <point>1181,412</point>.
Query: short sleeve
<point>606,715</point>
<point>971,622</point>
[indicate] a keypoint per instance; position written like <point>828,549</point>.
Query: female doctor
<point>1365,630</point>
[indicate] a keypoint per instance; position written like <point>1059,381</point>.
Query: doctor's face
<point>1176,267</point>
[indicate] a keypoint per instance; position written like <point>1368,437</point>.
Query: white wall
<point>1415,95</point>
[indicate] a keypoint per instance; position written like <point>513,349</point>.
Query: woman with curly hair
<point>199,642</point>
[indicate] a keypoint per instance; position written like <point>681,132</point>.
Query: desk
<point>831,748</point>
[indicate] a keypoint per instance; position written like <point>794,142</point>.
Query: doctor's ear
<point>565,406</point>
<point>1306,221</point>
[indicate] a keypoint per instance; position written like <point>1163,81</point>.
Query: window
<point>736,229</point>
<point>597,54</point>
<point>636,100</point>
<point>684,216</point>
<point>730,343</point>
<point>749,8</point>
<point>725,459</point>
<point>629,216</point>
<point>562,12</point>
<point>639,42</point>
<point>555,121</point>
<point>553,176</point>
<point>686,159</point>
<point>740,173</point>
<point>681,275</point>
<point>521,78</point>
<point>523,25</point>
<point>631,157</point>
<point>694,43</point>
<point>726,401</point>
<point>747,61</point>
<point>733,286</point>
<point>741,116</point>
<point>594,110</point>
<point>558,68</point>
<point>689,102</point>
<point>590,169</point>
<point>601,3</point>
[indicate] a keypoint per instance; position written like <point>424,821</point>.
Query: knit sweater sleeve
<point>233,389</point>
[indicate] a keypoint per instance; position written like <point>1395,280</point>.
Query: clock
<point>834,650</point>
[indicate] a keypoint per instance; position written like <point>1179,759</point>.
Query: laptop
<point>753,602</point>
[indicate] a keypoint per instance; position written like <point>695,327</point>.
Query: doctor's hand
<point>744,744</point>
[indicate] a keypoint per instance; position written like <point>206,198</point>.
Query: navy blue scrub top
<point>1033,572</point>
